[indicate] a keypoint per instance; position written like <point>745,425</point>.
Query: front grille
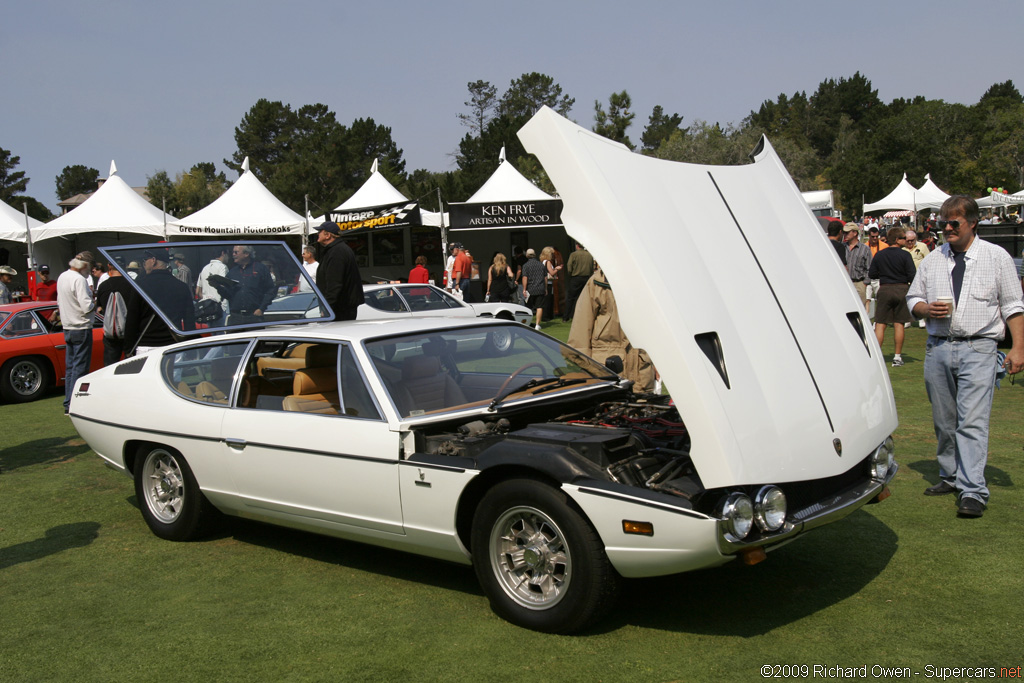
<point>820,492</point>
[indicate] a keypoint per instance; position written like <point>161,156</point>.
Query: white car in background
<point>390,301</point>
<point>416,300</point>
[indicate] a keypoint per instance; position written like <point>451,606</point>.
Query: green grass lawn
<point>88,593</point>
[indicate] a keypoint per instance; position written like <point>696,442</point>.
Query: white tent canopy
<point>506,201</point>
<point>819,199</point>
<point>377,191</point>
<point>12,224</point>
<point>507,184</point>
<point>115,207</point>
<point>246,208</point>
<point>905,197</point>
<point>930,196</point>
<point>995,199</point>
<point>902,197</point>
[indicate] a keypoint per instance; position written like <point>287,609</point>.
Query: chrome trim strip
<point>640,501</point>
<point>249,444</point>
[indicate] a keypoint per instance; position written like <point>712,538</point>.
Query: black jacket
<point>337,277</point>
<point>142,326</point>
<point>255,290</point>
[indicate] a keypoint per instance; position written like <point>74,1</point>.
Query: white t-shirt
<point>206,290</point>
<point>311,271</point>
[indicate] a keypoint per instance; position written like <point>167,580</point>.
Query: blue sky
<point>161,86</point>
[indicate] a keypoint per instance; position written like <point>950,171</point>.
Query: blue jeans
<point>464,287</point>
<point>77,356</point>
<point>960,378</point>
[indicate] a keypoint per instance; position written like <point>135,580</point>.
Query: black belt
<point>958,339</point>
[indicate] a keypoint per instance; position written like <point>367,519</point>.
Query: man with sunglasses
<point>960,361</point>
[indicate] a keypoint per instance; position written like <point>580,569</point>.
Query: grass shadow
<point>353,555</point>
<point>42,452</point>
<point>819,570</point>
<point>814,572</point>
<point>55,540</point>
<point>929,469</point>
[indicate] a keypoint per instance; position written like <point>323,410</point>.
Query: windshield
<point>198,287</point>
<point>488,366</point>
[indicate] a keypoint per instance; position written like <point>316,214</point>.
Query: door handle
<point>236,443</point>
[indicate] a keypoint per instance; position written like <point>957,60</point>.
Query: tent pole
<point>444,228</point>
<point>28,242</point>
<point>305,219</point>
<point>165,218</point>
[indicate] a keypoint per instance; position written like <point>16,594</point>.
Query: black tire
<point>24,379</point>
<point>172,504</point>
<point>561,581</point>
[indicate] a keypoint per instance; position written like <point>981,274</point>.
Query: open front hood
<point>725,277</point>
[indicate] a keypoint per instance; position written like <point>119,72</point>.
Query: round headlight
<point>770,508</point>
<point>881,459</point>
<point>738,513</point>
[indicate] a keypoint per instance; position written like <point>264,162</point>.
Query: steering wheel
<point>516,374</point>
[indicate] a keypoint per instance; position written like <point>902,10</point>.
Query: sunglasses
<point>953,224</point>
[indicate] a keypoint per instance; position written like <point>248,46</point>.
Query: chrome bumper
<point>825,511</point>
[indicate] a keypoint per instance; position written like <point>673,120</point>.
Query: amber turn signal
<point>752,556</point>
<point>642,528</point>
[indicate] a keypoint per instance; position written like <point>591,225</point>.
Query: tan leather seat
<point>425,387</point>
<point>222,374</point>
<point>314,390</point>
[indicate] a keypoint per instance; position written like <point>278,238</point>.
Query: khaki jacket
<point>596,332</point>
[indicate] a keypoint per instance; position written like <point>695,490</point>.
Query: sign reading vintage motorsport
<point>528,214</point>
<point>385,217</point>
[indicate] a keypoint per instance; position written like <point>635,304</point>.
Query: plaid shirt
<point>990,293</point>
<point>858,262</point>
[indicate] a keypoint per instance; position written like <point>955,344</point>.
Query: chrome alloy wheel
<point>26,377</point>
<point>164,485</point>
<point>530,558</point>
<point>501,339</point>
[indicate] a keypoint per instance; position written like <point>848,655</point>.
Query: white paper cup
<point>947,300</point>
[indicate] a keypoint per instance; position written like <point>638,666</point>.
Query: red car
<point>32,350</point>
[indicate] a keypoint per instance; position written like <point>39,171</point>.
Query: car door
<point>307,443</point>
<point>41,322</point>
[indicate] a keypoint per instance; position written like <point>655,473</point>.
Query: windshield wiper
<point>562,383</point>
<point>535,382</point>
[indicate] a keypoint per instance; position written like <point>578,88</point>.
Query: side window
<point>50,318</point>
<point>385,300</point>
<point>302,377</point>
<point>425,299</point>
<point>23,324</point>
<point>283,368</point>
<point>355,394</point>
<point>206,373</point>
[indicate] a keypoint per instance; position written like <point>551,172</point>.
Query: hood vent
<point>858,325</point>
<point>711,345</point>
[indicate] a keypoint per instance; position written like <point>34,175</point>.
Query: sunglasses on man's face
<point>953,224</point>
